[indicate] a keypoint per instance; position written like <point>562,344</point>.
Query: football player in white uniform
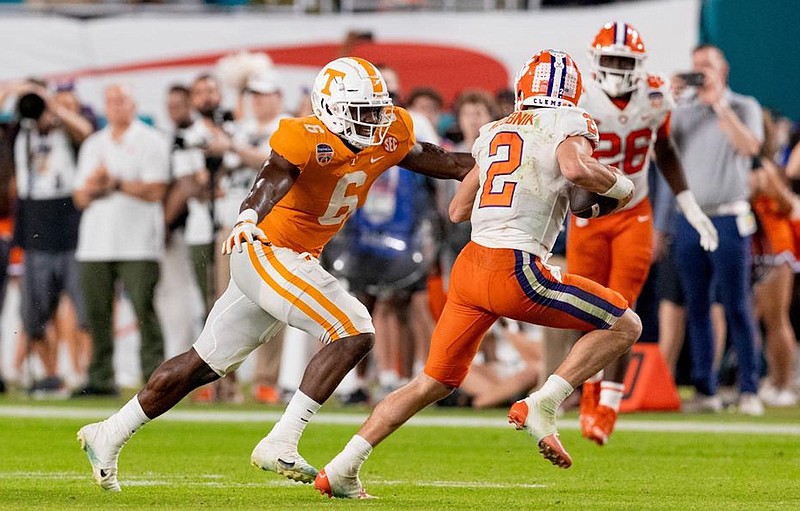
<point>517,198</point>
<point>632,112</point>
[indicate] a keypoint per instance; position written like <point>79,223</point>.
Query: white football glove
<point>709,239</point>
<point>245,230</point>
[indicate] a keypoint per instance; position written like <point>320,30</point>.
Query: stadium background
<point>151,47</point>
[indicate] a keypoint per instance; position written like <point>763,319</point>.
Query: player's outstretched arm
<point>431,160</point>
<point>670,166</point>
<point>461,206</point>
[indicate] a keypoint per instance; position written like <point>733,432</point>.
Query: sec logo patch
<point>324,154</point>
<point>390,144</point>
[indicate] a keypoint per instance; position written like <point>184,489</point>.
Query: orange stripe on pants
<point>288,296</point>
<point>309,289</point>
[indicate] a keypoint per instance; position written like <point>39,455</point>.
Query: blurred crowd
<point>95,206</point>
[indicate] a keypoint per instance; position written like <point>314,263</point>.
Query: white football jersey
<point>522,199</point>
<point>627,134</point>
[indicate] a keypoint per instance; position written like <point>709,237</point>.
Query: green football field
<point>448,460</point>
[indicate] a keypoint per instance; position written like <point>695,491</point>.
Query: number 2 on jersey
<point>501,196</point>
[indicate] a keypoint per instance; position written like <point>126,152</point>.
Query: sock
<point>128,419</point>
<point>349,461</point>
<point>611,394</point>
<point>293,421</point>
<point>554,391</point>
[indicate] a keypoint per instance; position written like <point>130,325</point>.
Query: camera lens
<point>31,106</point>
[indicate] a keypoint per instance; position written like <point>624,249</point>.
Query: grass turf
<point>176,465</point>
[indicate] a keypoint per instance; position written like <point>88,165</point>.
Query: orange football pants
<point>487,283</point>
<point>614,250</point>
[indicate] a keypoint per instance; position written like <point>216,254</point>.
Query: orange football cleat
<point>603,425</point>
<point>347,488</point>
<point>549,445</point>
<point>590,399</point>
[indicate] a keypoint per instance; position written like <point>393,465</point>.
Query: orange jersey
<point>333,180</point>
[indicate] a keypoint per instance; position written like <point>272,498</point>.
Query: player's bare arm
<point>461,206</point>
<point>276,178</point>
<point>579,167</point>
<point>434,161</point>
<point>670,165</point>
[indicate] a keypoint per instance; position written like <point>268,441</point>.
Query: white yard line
<point>218,481</point>
<point>349,419</point>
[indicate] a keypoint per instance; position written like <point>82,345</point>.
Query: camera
<point>693,79</point>
<point>31,106</point>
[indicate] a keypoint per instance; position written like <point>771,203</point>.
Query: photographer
<point>717,133</point>
<point>45,158</point>
<point>196,171</point>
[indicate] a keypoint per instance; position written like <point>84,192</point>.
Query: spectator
<point>45,157</point>
<point>472,110</point>
<point>196,171</point>
<point>180,310</point>
<point>776,257</point>
<point>717,132</point>
<point>427,102</point>
<point>123,171</point>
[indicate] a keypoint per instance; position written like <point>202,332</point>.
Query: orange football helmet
<point>549,79</point>
<point>617,55</point>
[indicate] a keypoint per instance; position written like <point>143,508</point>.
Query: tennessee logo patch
<point>324,154</point>
<point>390,144</point>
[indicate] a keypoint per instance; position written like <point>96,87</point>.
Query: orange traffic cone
<point>648,383</point>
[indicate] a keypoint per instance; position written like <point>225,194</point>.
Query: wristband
<point>621,188</point>
<point>248,215</point>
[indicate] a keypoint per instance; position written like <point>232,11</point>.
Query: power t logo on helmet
<point>351,99</point>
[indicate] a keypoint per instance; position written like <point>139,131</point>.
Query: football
<point>586,204</point>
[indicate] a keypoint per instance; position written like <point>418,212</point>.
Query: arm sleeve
<point>579,123</point>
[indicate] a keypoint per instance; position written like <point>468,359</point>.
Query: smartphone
<point>692,79</point>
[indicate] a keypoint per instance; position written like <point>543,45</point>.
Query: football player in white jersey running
<point>632,112</point>
<point>517,198</point>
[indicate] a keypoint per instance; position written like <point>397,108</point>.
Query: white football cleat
<point>282,459</point>
<point>103,454</point>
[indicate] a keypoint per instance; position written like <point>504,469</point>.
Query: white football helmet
<point>352,100</point>
<point>623,43</point>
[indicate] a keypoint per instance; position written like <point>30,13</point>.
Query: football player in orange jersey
<point>632,111</point>
<point>318,173</point>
